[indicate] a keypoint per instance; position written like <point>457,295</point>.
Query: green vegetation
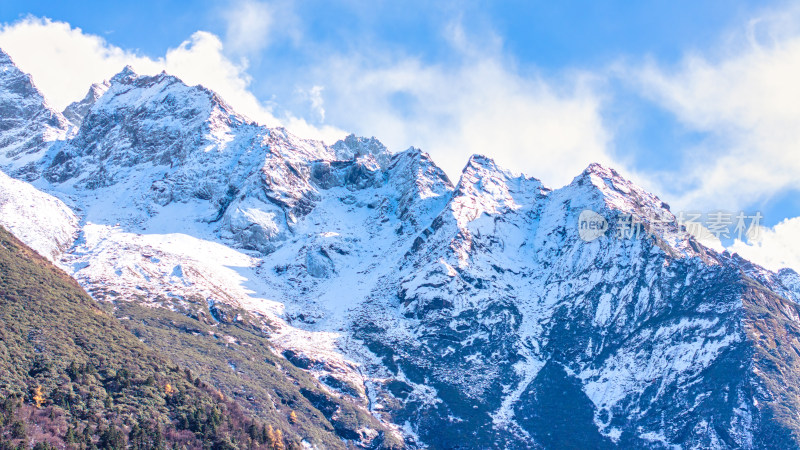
<point>72,376</point>
<point>231,349</point>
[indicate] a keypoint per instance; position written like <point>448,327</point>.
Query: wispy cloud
<point>776,247</point>
<point>480,102</point>
<point>251,25</point>
<point>745,99</point>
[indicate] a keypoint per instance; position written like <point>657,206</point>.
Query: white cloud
<point>200,60</point>
<point>251,26</point>
<point>746,99</point>
<point>316,100</point>
<point>481,104</point>
<point>65,61</point>
<point>774,248</point>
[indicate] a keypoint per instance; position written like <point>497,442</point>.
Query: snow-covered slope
<point>446,312</point>
<point>41,221</point>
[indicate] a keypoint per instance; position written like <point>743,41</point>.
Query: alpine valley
<point>346,296</point>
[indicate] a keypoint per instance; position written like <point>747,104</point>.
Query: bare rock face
<point>319,264</point>
<point>354,147</point>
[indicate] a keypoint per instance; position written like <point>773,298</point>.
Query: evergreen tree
<point>112,438</point>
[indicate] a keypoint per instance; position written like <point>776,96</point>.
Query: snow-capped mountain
<point>466,316</point>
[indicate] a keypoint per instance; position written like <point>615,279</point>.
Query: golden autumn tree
<point>38,397</point>
<point>278,444</point>
<point>169,390</point>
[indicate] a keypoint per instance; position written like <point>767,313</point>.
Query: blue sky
<point>550,35</point>
<point>693,100</point>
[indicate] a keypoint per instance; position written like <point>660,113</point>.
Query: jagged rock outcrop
<point>354,147</point>
<point>76,111</point>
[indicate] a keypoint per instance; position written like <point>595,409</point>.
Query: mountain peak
<point>480,161</point>
<point>602,172</point>
<point>141,119</point>
<point>76,111</point>
<point>480,169</point>
<point>598,168</point>
<point>485,187</point>
<point>607,180</point>
<point>603,190</point>
<point>125,75</point>
<point>354,147</point>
